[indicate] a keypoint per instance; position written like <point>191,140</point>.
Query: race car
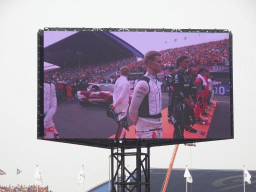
<point>98,93</point>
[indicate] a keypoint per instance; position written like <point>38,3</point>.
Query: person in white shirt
<point>146,104</point>
<point>50,107</point>
<point>211,88</point>
<point>121,101</point>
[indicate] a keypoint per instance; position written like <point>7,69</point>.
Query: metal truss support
<point>125,180</point>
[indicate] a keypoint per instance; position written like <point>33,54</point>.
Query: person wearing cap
<point>121,98</point>
<point>146,104</point>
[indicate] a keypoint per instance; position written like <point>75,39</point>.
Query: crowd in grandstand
<point>95,70</point>
<point>212,53</point>
<point>201,54</point>
<point>23,188</point>
<point>69,80</point>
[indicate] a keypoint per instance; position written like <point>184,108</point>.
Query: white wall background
<point>60,163</point>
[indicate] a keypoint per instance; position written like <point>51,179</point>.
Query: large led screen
<point>137,85</point>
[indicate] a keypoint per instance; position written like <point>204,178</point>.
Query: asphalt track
<point>73,121</point>
<point>221,121</point>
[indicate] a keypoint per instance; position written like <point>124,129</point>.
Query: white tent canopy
<point>49,66</point>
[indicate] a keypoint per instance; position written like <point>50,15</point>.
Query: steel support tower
<point>124,180</point>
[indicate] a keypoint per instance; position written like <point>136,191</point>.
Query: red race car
<point>98,93</point>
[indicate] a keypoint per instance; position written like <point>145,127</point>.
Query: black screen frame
<point>127,143</point>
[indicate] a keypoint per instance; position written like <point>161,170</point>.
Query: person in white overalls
<point>50,108</point>
<point>146,105</point>
<point>121,101</point>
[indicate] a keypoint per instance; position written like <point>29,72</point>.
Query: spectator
<point>83,84</point>
<point>59,89</point>
<point>74,88</point>
<point>69,88</point>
